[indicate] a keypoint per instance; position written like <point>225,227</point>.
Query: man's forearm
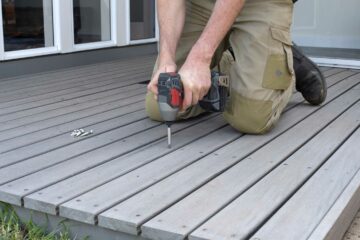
<point>171,16</point>
<point>221,20</point>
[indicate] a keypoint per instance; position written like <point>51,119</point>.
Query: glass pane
<point>27,24</point>
<point>91,21</point>
<point>142,18</point>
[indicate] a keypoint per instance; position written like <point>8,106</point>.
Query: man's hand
<point>171,17</point>
<point>196,80</point>
<point>166,66</point>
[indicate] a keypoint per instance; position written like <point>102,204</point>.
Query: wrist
<point>166,57</point>
<point>201,53</point>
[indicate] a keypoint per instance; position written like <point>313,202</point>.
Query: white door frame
<point>63,25</point>
<point>120,22</point>
<point>27,52</point>
<point>336,62</point>
<point>114,27</point>
<point>100,44</point>
<point>146,40</point>
<point>2,49</point>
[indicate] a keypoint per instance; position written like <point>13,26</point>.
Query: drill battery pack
<point>215,99</point>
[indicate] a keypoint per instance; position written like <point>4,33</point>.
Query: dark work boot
<point>309,79</point>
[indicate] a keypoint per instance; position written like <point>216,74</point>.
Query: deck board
<point>124,178</point>
<point>249,210</point>
<point>236,181</point>
<point>115,146</point>
<point>127,124</point>
<point>334,225</point>
<point>105,172</point>
<point>167,192</point>
<point>74,73</point>
<point>80,83</point>
<point>312,201</point>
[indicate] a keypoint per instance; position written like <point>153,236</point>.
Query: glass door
<point>27,27</point>
<point>142,20</point>
<point>92,22</point>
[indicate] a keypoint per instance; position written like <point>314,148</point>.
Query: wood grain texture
<point>80,157</point>
<point>52,82</point>
<point>54,118</point>
<point>70,93</point>
<point>49,99</point>
<point>72,73</point>
<point>98,122</point>
<point>334,225</point>
<point>134,162</point>
<point>87,206</point>
<point>128,120</point>
<point>124,178</point>
<point>310,204</point>
<point>247,212</point>
<point>147,203</point>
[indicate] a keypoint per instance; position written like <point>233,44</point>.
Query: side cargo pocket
<point>279,66</point>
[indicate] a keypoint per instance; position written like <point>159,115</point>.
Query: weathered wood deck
<point>300,181</point>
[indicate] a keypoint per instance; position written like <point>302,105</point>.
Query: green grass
<point>11,228</point>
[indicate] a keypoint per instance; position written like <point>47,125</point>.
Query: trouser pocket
<point>278,71</point>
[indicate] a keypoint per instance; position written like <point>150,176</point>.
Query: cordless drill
<point>171,95</point>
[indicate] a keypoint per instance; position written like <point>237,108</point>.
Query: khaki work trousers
<point>261,71</point>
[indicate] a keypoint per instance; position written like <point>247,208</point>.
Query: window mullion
<point>64,25</point>
<point>120,22</point>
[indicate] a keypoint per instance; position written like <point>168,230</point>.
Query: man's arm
<point>195,73</point>
<point>171,17</point>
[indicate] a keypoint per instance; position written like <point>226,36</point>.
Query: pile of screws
<point>81,133</point>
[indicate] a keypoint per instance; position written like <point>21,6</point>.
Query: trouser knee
<point>152,107</point>
<point>250,115</point>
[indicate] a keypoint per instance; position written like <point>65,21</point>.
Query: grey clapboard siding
<point>214,164</point>
<point>313,200</point>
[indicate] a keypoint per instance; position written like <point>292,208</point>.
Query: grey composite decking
<point>299,181</point>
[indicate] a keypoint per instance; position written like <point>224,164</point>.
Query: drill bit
<point>169,133</point>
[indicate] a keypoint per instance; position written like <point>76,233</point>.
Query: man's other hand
<point>196,80</point>
<point>163,67</point>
